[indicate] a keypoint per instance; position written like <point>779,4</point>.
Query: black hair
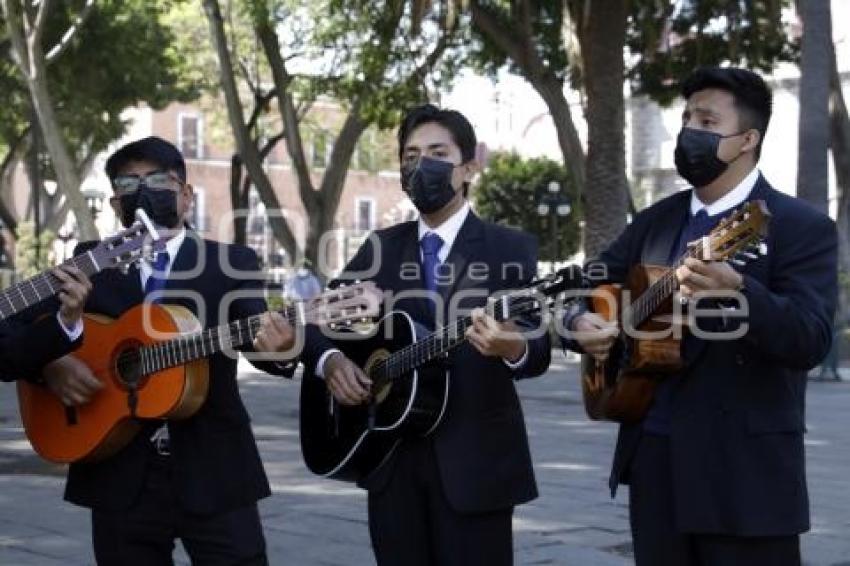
<point>153,149</point>
<point>456,123</point>
<point>752,96</point>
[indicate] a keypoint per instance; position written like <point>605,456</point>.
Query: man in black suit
<point>448,498</point>
<point>58,330</point>
<point>716,469</point>
<point>196,479</point>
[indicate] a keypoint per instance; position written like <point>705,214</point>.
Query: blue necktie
<point>431,244</point>
<point>156,281</point>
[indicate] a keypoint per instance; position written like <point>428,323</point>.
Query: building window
<point>323,144</point>
<point>190,136</point>
<point>198,216</point>
<point>364,214</point>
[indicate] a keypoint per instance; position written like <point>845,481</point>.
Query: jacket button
<point>739,359</point>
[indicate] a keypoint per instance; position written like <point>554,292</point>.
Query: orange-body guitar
<point>152,362</point>
<point>101,427</point>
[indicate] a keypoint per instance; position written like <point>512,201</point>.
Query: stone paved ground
<point>313,522</point>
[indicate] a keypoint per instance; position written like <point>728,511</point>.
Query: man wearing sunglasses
<point>198,479</point>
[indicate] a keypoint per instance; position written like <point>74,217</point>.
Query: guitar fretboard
<point>441,341</point>
<point>185,349</point>
<point>642,308</point>
<point>30,291</point>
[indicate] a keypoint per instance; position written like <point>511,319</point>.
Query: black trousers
<point>144,535</point>
<point>412,524</point>
<point>658,543</point>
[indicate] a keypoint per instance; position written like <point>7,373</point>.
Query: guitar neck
<point>184,349</point>
<point>441,341</point>
<point>35,289</point>
<point>663,288</point>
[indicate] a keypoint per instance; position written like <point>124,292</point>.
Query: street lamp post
<point>554,204</point>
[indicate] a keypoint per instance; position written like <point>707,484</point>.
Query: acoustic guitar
<point>152,361</point>
<point>622,388</point>
<point>410,384</point>
<point>139,241</point>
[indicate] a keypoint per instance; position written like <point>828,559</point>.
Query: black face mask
<point>161,206</point>
<point>696,156</point>
<point>428,184</point>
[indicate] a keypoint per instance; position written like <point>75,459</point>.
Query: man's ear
<point>470,170</point>
<point>752,137</point>
<point>115,203</point>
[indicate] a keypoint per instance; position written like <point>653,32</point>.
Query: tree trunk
<point>33,65</point>
<point>240,221</point>
<point>321,205</point>
<point>815,66</point>
<point>552,92</point>
<point>602,35</point>
<point>840,144</point>
<point>245,146</point>
<point>17,149</point>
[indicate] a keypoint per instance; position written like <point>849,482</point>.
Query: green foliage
<point>666,39</point>
<point>547,21</point>
<point>123,55</point>
<point>365,51</point>
<point>509,191</point>
<point>671,39</point>
<point>27,262</point>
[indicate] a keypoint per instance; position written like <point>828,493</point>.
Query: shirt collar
<point>173,244</point>
<point>730,200</point>
<point>449,229</point>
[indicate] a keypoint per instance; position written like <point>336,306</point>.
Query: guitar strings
<point>394,366</point>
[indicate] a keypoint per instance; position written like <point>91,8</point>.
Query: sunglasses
<point>158,181</point>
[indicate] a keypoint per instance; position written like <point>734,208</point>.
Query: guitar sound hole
<point>128,368</point>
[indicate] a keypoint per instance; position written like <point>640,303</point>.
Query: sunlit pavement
<point>309,521</point>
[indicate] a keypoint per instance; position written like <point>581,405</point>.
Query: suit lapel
<point>665,232</point>
<point>410,262</point>
<point>467,247</point>
<point>185,262</point>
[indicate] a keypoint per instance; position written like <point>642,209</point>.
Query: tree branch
<point>16,147</point>
<point>40,21</point>
<point>15,27</point>
<point>69,34</point>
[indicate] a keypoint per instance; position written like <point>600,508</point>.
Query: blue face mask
<point>428,184</point>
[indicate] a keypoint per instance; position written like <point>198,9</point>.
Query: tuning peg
<point>762,248</point>
<point>737,262</point>
<point>749,255</point>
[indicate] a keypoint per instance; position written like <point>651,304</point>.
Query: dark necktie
<point>156,281</point>
<point>431,244</point>
<point>698,226</point>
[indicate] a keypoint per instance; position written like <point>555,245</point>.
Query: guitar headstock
<point>565,279</point>
<point>139,241</point>
<point>739,237</point>
<point>344,305</point>
<point>539,294</point>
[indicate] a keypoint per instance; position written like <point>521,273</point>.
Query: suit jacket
<point>737,411</point>
<point>29,341</point>
<point>216,464</point>
<point>481,445</point>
